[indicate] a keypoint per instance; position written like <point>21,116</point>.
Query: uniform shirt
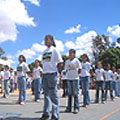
<point>86,67</point>
<point>22,68</point>
<point>36,73</point>
<point>108,75</point>
<point>115,75</point>
<point>6,75</point>
<point>63,74</point>
<point>99,74</point>
<point>72,68</point>
<point>118,77</point>
<point>50,58</point>
<point>12,75</point>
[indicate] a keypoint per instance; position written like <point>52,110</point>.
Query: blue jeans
<point>50,93</point>
<point>118,83</point>
<point>73,90</point>
<point>22,89</point>
<point>85,90</point>
<point>29,85</point>
<point>108,86</point>
<point>115,87</point>
<point>12,86</point>
<point>100,84</point>
<point>37,86</point>
<point>6,88</point>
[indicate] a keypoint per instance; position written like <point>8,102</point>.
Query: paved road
<point>33,111</point>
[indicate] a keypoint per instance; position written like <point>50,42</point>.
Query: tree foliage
<point>111,56</point>
<point>2,53</point>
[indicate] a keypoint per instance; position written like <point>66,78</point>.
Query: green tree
<point>111,56</point>
<point>2,53</point>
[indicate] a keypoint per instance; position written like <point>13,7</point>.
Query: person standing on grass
<point>85,79</point>
<point>108,82</point>
<point>6,81</point>
<point>22,69</point>
<point>51,61</point>
<point>73,69</point>
<point>114,81</point>
<point>12,82</point>
<point>37,74</point>
<point>100,82</point>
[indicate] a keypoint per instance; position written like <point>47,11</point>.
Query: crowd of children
<point>46,77</point>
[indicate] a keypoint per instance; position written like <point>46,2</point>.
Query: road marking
<point>106,116</point>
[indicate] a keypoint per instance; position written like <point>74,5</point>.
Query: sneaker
<point>37,100</point>
<point>22,103</point>
<point>76,111</point>
<point>17,102</point>
<point>67,111</point>
<point>54,118</point>
<point>113,99</point>
<point>103,102</point>
<point>44,117</point>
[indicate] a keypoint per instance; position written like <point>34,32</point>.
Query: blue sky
<point>82,19</point>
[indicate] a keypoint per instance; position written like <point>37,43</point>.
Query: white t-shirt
<point>2,75</point>
<point>6,75</point>
<point>63,74</point>
<point>99,74</point>
<point>36,73</point>
<point>72,68</point>
<point>22,68</point>
<point>115,75</point>
<point>108,75</point>
<point>118,77</point>
<point>50,58</point>
<point>86,67</point>
<point>12,75</point>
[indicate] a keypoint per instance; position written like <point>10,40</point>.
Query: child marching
<point>73,68</point>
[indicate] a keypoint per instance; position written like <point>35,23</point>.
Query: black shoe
<point>44,117</point>
<point>68,111</point>
<point>54,118</point>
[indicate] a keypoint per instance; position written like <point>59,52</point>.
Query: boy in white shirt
<point>108,82</point>
<point>51,61</point>
<point>37,74</point>
<point>6,81</point>
<point>114,81</point>
<point>100,77</point>
<point>73,68</point>
<point>118,79</point>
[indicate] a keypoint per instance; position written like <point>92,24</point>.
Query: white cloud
<point>35,2</point>
<point>28,53</point>
<point>12,13</point>
<point>73,30</point>
<point>38,47</point>
<point>83,43</point>
<point>70,45</point>
<point>59,45</point>
<point>114,30</point>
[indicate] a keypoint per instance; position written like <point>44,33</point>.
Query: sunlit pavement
<point>32,110</point>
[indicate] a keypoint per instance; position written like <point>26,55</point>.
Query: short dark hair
<point>108,65</point>
<point>6,66</point>
<point>73,51</point>
<point>52,38</point>
<point>11,68</point>
<point>24,59</point>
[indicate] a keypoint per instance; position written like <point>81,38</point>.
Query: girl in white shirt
<point>108,82</point>
<point>6,81</point>
<point>22,70</point>
<point>51,61</point>
<point>37,74</point>
<point>73,69</point>
<point>100,77</point>
<point>85,79</point>
<point>114,81</point>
